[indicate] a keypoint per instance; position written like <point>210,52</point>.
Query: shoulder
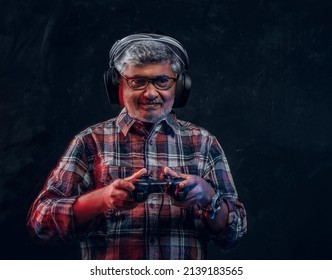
<point>104,127</point>
<point>199,136</point>
<point>188,127</point>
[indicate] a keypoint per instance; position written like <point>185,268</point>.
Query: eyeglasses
<point>160,82</point>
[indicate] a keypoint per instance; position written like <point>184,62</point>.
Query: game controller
<point>147,185</point>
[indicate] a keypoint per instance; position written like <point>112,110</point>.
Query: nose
<point>151,92</point>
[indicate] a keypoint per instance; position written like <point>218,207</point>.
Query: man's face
<point>149,104</point>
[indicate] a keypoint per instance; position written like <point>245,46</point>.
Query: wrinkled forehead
<point>149,70</point>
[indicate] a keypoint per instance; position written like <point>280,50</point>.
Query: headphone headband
<point>121,45</point>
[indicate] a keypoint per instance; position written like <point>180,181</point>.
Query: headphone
<point>183,82</point>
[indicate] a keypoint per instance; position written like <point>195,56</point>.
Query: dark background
<point>261,75</point>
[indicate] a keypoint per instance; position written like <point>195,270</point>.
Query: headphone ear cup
<point>111,82</point>
<point>182,90</point>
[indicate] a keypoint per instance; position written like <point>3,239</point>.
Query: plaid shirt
<point>155,229</point>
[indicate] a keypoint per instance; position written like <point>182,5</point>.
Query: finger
<point>171,172</point>
<point>123,184</point>
<point>137,175</point>
<point>126,203</point>
<point>122,192</point>
<point>189,180</point>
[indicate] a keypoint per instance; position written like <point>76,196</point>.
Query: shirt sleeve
<point>218,174</point>
<point>51,215</point>
<point>236,228</point>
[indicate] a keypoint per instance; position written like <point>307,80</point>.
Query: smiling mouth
<point>151,104</point>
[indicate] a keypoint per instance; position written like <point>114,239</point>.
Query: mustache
<point>151,102</point>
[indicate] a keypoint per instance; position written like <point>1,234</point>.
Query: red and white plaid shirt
<point>155,229</point>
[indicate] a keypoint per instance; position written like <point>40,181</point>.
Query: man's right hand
<point>118,196</point>
<point>115,196</point>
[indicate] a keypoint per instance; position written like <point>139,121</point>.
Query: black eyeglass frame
<point>147,80</point>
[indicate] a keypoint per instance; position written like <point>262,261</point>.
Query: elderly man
<point>89,195</point>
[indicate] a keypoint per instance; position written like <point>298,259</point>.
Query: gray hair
<point>146,52</point>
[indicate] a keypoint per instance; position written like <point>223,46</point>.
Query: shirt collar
<point>125,122</point>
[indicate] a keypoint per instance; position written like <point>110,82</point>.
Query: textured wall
<point>261,73</point>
